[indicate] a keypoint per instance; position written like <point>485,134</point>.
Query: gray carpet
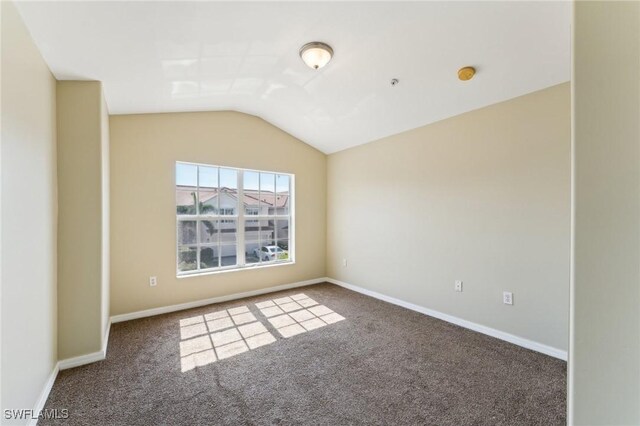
<point>382,364</point>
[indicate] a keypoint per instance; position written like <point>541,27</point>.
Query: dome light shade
<point>316,54</point>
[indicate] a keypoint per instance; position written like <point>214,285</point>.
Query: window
<point>213,230</point>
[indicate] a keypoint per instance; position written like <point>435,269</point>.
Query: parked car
<point>267,253</point>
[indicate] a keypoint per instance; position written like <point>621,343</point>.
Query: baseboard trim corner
<point>507,337</point>
<point>44,394</point>
<point>204,302</point>
<point>63,365</point>
<point>77,361</point>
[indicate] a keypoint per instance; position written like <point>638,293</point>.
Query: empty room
<point>320,213</point>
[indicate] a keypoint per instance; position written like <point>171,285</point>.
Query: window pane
<point>251,222</point>
<point>208,177</point>
<point>283,249</point>
<point>266,253</point>
<point>185,200</point>
<point>229,254</point>
<point>187,258</point>
<point>251,193</point>
<point>187,232</point>
<point>229,179</point>
<point>186,174</point>
<point>208,190</point>
<point>251,230</point>
<point>228,192</point>
<point>209,257</point>
<point>228,231</point>
<point>267,182</point>
<point>267,193</point>
<point>208,201</point>
<point>267,232</point>
<point>251,181</point>
<point>282,194</point>
<point>252,252</point>
<point>209,231</point>
<point>282,229</point>
<point>251,184</point>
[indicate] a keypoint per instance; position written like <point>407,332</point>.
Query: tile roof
<point>251,197</point>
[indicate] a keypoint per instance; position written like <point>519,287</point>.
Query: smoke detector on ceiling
<point>466,73</point>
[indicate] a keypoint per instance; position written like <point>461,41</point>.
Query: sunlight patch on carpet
<point>297,314</point>
<point>218,335</point>
<point>223,334</point>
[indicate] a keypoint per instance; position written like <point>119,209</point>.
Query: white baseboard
<point>204,302</point>
<point>516,340</point>
<point>44,395</point>
<point>77,361</point>
<point>81,360</point>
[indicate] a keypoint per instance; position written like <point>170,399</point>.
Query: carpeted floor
<point>368,362</point>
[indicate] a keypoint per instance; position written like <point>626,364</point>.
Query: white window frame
<point>240,225</point>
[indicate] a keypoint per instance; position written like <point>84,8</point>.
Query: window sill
<point>234,269</point>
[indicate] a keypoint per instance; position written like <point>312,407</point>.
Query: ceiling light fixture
<point>316,54</point>
<point>466,73</point>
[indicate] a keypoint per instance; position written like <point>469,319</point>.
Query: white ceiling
<point>194,56</point>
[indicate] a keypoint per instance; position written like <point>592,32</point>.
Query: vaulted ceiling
<point>195,56</point>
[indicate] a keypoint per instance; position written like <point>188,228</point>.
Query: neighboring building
<point>265,230</point>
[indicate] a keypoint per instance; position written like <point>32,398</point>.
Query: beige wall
<point>604,368</point>
<point>28,156</point>
<point>144,149</point>
<point>483,197</point>
<point>81,278</point>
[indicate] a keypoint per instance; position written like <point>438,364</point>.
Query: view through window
<point>230,218</point>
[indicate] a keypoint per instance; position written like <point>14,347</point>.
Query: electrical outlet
<point>458,285</point>
<point>507,298</point>
<point>344,262</point>
<point>153,281</point>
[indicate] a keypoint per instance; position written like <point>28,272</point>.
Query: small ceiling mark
<point>394,81</point>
